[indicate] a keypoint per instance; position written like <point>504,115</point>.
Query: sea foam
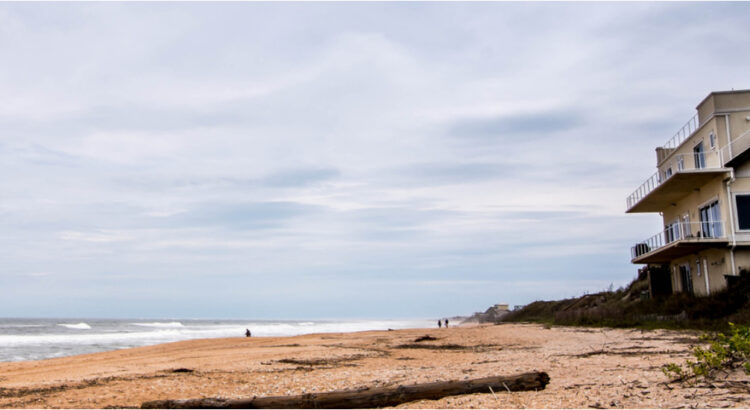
<point>79,326</point>
<point>159,324</point>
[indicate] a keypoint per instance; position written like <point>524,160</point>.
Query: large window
<point>699,156</point>
<point>743,211</point>
<point>711,221</point>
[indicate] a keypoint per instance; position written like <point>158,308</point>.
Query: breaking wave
<point>78,326</point>
<point>160,324</point>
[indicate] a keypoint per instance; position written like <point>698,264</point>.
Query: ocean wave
<point>159,324</point>
<point>13,326</point>
<point>130,339</point>
<point>112,335</point>
<point>78,326</point>
<point>299,328</point>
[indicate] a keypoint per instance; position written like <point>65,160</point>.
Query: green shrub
<point>723,353</point>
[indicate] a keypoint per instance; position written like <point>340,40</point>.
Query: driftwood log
<point>365,398</point>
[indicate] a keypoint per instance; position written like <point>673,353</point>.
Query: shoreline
<point>35,339</point>
<point>587,367</point>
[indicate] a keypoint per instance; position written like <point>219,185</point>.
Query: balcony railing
<point>683,133</point>
<point>736,147</point>
<point>680,162</point>
<point>677,232</point>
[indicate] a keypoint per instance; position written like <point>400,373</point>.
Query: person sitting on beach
<point>440,324</point>
<point>247,333</point>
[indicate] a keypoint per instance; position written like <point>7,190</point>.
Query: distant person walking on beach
<point>440,324</point>
<point>247,333</point>
<point>446,323</point>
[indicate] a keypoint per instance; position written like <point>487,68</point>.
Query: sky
<point>337,160</point>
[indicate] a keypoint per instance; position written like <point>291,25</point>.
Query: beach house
<point>701,189</point>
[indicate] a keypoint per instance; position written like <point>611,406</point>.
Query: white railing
<point>644,189</point>
<point>677,232</point>
<point>683,133</point>
<point>690,162</point>
<point>680,162</point>
<point>735,147</point>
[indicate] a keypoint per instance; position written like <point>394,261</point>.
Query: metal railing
<point>683,133</point>
<point>735,147</point>
<point>680,162</point>
<point>677,232</point>
<point>644,189</point>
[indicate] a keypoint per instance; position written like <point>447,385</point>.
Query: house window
<point>699,156</point>
<point>743,211</point>
<point>680,163</point>
<point>711,221</point>
<point>712,140</point>
<point>668,173</point>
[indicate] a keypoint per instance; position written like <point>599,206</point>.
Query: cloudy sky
<point>337,160</point>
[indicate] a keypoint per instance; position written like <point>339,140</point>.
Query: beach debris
<point>624,351</point>
<point>368,397</point>
<point>423,338</point>
<point>324,361</point>
<point>182,370</point>
<point>450,346</point>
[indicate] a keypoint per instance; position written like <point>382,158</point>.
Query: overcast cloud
<point>337,160</point>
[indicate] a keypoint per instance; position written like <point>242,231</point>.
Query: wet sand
<point>597,368</point>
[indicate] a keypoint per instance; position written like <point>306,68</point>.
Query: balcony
<point>680,239</point>
<point>677,178</point>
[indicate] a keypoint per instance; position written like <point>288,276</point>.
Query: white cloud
<point>97,236</point>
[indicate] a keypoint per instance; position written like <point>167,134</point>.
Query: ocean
<point>35,339</point>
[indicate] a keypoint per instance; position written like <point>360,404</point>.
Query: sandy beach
<point>598,368</point>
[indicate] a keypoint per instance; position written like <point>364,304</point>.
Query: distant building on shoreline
<point>492,315</point>
<point>702,190</point>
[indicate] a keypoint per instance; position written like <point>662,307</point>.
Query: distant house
<point>702,190</point>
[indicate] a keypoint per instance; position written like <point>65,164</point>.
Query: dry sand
<point>587,367</point>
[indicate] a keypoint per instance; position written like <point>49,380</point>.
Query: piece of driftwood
<point>365,398</point>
